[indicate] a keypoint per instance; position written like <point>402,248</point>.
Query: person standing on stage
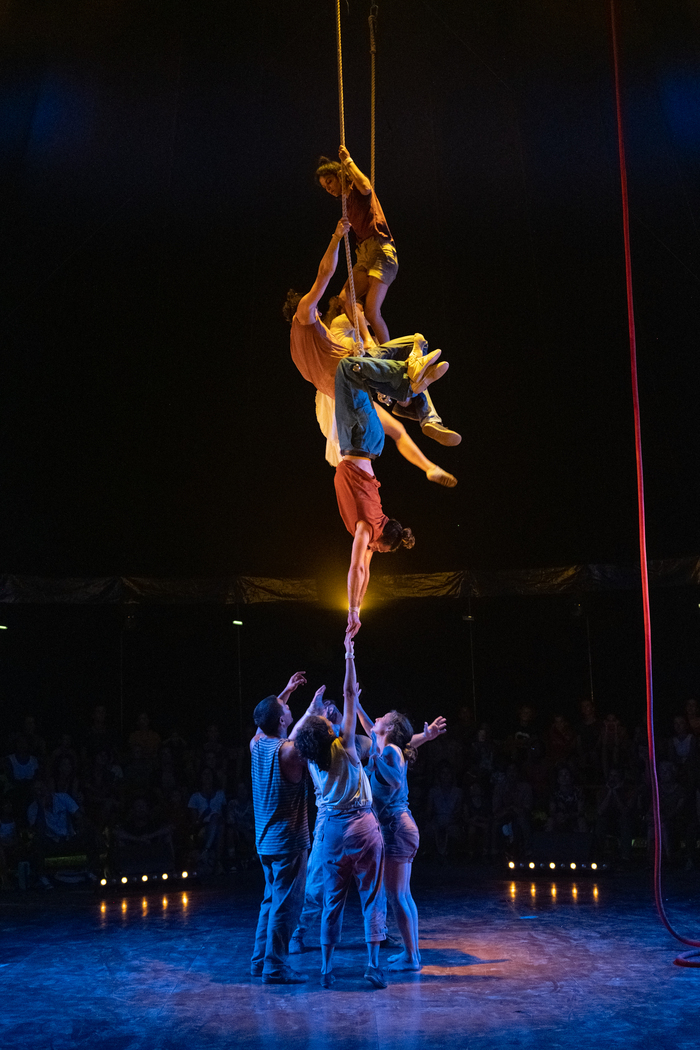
<point>376,261</point>
<point>352,844</point>
<point>281,833</point>
<point>391,754</point>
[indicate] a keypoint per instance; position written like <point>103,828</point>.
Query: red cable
<point>685,959</point>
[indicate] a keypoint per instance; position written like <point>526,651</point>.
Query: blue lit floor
<point>506,964</point>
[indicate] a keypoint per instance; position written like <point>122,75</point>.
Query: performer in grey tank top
<point>281,833</point>
<point>352,846</point>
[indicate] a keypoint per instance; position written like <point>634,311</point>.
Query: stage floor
<point>506,964</point>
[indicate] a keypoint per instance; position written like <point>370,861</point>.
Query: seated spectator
<point>145,738</point>
<point>98,736</point>
<point>560,742</point>
<point>682,750</point>
<point>692,713</point>
<point>139,772</point>
<point>65,747</point>
<point>512,812</point>
<point>64,777</point>
<point>36,744</point>
<point>444,812</point>
<point>566,804</point>
<point>9,842</point>
<point>671,810</point>
<point>143,840</point>
<point>57,827</point>
<point>177,817</point>
<point>524,737</point>
<point>482,754</point>
<point>588,734</point>
<point>166,778</point>
<point>21,768</point>
<point>103,790</point>
<point>216,762</point>
<point>477,819</point>
<point>240,822</point>
<point>206,808</point>
<point>614,808</point>
<point>614,745</point>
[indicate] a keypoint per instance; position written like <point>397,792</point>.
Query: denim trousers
<point>359,429</point>
<point>421,407</point>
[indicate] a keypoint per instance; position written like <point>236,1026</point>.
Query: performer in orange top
<point>316,354</point>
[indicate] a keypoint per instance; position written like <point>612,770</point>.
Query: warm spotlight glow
<point>124,878</point>
<point>594,867</point>
<point>572,866</point>
<point>595,893</point>
<point>123,905</point>
<point>184,899</point>
<point>554,890</point>
<point>164,875</point>
<point>103,907</point>
<point>184,874</point>
<point>531,864</point>
<point>533,889</point>
<point>512,889</point>
<point>165,902</point>
<point>511,863</point>
<point>103,882</point>
<point>552,864</point>
<point>574,891</point>
<point>144,878</point>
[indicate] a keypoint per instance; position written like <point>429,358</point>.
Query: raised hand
<point>435,729</point>
<point>295,681</point>
<point>317,707</point>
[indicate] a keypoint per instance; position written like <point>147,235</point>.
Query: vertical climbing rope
<point>373,12</point>
<point>686,958</point>
<point>343,177</point>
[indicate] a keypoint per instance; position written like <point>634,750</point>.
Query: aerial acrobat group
<point>364,830</point>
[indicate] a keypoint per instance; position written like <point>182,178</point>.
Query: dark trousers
<point>285,877</point>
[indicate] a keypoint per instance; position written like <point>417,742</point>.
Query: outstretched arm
<point>294,682</point>
<point>358,575</point>
<point>350,697</point>
<point>306,310</point>
<point>365,721</point>
<point>360,181</point>
<point>316,707</point>
<point>430,732</point>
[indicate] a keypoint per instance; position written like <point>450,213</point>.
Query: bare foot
<point>404,962</point>
<point>441,477</point>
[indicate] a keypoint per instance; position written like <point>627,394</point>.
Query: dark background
<point>156,166</point>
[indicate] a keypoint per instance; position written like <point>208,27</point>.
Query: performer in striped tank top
<point>281,832</point>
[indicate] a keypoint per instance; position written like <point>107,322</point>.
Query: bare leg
<point>410,451</point>
<point>373,309</point>
<point>397,880</point>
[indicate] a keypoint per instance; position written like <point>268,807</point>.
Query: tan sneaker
<point>441,434</point>
<point>430,375</point>
<point>417,366</point>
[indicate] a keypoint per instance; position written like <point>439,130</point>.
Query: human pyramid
<point>364,830</point>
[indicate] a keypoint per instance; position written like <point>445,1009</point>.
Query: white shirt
<point>343,786</point>
<point>58,818</point>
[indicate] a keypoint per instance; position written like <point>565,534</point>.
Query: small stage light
<point>164,875</point>
<point>531,864</point>
<point>594,867</point>
<point>184,874</point>
<point>2,627</point>
<point>552,864</point>
<point>237,623</point>
<point>124,878</point>
<point>511,864</point>
<point>572,865</point>
<point>103,882</point>
<point>144,878</point>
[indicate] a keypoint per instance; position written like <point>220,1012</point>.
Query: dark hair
<point>314,742</point>
<point>396,536</point>
<point>267,715</point>
<point>326,166</point>
<point>400,734</point>
<point>290,304</point>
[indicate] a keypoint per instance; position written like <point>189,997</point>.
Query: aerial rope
<point>341,107</point>
<point>686,959</point>
<point>373,12</point>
